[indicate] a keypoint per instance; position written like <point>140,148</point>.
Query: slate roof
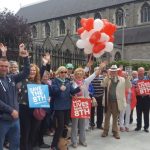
<point>139,34</point>
<point>58,8</point>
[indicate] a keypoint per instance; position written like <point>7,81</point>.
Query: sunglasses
<point>63,72</point>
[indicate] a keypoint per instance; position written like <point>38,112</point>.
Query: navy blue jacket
<point>8,90</point>
<point>62,99</point>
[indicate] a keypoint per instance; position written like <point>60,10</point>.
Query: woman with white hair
<point>62,90</point>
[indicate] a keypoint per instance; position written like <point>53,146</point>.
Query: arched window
<point>78,23</point>
<point>97,16</point>
<point>145,13</point>
<point>47,29</point>
<point>34,31</point>
<point>120,17</point>
<point>62,27</point>
<point>117,56</point>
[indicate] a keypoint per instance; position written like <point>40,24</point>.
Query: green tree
<point>13,29</point>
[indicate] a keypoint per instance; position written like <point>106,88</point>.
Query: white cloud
<point>15,5</point>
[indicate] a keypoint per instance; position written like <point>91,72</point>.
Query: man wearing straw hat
<point>115,99</point>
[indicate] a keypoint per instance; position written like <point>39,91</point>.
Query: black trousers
<point>62,119</point>
<point>43,128</point>
<point>143,105</point>
<point>29,128</point>
<point>100,110</point>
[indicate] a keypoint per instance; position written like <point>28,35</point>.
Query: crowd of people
<point>114,94</point>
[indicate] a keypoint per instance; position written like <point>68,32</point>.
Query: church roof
<point>139,34</point>
<point>51,9</point>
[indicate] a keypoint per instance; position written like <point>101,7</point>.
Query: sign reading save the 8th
<point>38,96</point>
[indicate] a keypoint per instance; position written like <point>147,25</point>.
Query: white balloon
<point>88,45</point>
<point>91,32</point>
<point>104,37</point>
<point>81,44</point>
<point>84,35</point>
<point>87,34</point>
<point>108,46</point>
<point>87,51</point>
<point>98,24</point>
<point>98,54</point>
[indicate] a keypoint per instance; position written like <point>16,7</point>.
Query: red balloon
<point>98,47</point>
<point>80,30</point>
<point>112,38</point>
<point>83,22</point>
<point>89,24</point>
<point>108,28</point>
<point>95,37</point>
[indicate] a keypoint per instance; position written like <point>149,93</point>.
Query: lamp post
<point>123,35</point>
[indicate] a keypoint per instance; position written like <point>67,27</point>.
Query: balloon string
<point>90,61</point>
<point>90,57</point>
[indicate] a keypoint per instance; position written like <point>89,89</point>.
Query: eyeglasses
<point>63,72</point>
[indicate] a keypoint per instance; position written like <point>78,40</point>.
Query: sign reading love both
<point>81,107</point>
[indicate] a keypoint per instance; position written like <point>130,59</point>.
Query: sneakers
<point>74,145</point>
<point>126,129</point>
<point>121,129</point>
<point>83,144</point>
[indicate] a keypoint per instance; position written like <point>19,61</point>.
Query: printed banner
<point>38,96</point>
<point>81,107</point>
<point>143,87</point>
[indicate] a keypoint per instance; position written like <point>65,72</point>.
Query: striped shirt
<point>98,89</point>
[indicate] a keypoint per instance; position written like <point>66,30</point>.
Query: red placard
<point>143,87</point>
<point>81,107</point>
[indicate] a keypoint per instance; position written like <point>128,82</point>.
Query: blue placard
<point>38,96</point>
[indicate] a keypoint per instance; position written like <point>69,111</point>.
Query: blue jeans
<point>12,129</point>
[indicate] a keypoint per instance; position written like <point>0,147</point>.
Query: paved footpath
<point>132,140</point>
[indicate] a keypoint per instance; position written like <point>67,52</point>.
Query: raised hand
<point>102,65</point>
<point>46,58</point>
<point>63,88</point>
<point>3,49</point>
<point>22,51</point>
<point>90,63</point>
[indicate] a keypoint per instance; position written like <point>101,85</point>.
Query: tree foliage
<point>13,29</point>
<point>135,65</point>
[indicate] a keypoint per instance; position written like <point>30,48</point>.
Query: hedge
<point>135,65</point>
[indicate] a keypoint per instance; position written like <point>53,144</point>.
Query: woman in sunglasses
<point>62,90</point>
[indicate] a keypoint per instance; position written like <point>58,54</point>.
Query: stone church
<point>54,24</point>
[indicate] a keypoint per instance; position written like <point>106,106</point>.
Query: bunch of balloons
<point>97,36</point>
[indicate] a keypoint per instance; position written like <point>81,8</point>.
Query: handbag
<point>39,113</point>
<point>94,102</point>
